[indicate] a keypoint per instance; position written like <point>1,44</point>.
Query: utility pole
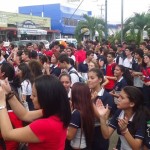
<point>106,25</point>
<point>122,21</point>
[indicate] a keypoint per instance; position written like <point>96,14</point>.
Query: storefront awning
<point>32,31</point>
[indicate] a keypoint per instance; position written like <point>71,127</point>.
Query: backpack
<point>80,77</point>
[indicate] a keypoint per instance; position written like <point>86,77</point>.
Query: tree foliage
<point>93,24</point>
<point>135,25</point>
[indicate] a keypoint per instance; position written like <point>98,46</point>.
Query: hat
<point>63,43</point>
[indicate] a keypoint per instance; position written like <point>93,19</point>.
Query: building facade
<point>63,18</point>
<point>14,26</point>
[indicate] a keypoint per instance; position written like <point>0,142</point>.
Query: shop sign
<point>28,24</point>
<point>32,31</point>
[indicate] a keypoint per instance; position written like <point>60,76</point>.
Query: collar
<point>55,66</point>
<point>70,68</point>
<point>120,79</point>
<point>84,62</point>
<point>101,92</point>
<point>121,116</point>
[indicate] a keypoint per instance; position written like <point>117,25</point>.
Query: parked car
<point>24,42</point>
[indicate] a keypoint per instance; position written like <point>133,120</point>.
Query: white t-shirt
<point>26,87</point>
<point>73,57</point>
<point>127,63</point>
<point>74,76</point>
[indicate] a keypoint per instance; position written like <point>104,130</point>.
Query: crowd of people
<point>71,97</point>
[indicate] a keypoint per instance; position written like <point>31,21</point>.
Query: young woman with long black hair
<point>129,120</point>
<point>48,132</point>
<point>95,83</point>
<point>26,80</point>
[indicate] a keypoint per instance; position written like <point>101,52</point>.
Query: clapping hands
<point>123,123</point>
<point>101,109</point>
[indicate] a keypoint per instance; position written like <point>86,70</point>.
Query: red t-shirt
<point>11,145</point>
<point>146,74</point>
<point>51,133</point>
<point>110,72</point>
<point>80,56</point>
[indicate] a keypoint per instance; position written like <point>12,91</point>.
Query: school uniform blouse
<point>106,98</point>
<point>120,84</point>
<point>79,141</point>
<point>139,134</point>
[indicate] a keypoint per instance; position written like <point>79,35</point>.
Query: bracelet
<point>2,107</point>
<point>9,95</point>
<point>124,132</point>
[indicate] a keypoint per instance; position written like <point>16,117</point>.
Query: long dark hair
<point>52,97</point>
<point>26,74</point>
<point>136,96</point>
<point>126,74</point>
<point>81,100</point>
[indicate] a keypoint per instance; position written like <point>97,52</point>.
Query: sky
<point>96,6</point>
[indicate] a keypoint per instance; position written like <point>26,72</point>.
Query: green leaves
<point>93,24</point>
<point>134,26</point>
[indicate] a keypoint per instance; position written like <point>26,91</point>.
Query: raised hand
<point>6,86</point>
<point>2,96</point>
<point>101,109</point>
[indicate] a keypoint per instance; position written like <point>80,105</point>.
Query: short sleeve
<point>113,123</point>
<point>75,119</point>
<point>38,128</point>
<point>140,132</point>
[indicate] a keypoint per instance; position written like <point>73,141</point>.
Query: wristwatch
<point>2,107</point>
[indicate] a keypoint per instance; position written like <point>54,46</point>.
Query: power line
<point>76,9</point>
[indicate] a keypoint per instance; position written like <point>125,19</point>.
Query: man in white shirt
<point>64,63</point>
<point>128,61</point>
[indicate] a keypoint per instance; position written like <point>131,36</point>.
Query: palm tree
<point>139,23</point>
<point>92,24</point>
